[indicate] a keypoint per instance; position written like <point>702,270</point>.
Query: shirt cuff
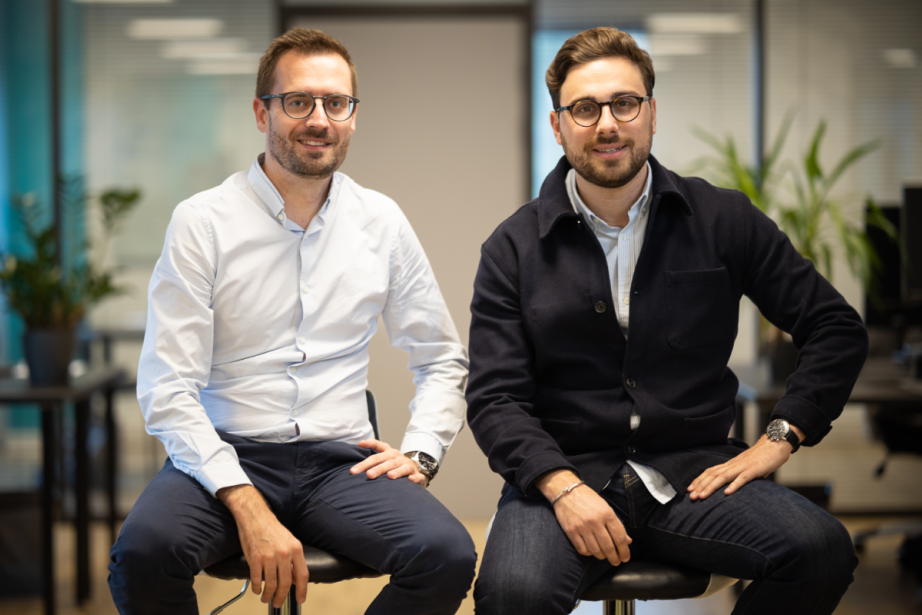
<point>424,443</point>
<point>220,475</point>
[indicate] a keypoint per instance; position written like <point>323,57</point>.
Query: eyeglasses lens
<point>337,108</point>
<point>587,112</point>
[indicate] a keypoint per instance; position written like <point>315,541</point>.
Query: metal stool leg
<point>289,607</point>
<point>232,600</point>
<point>618,607</point>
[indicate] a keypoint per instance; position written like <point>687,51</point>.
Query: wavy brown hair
<point>592,45</point>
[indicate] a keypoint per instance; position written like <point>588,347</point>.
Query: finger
<point>621,541</point>
<point>256,576</point>
<point>579,544</point>
<point>403,469</point>
<point>301,577</point>
<point>269,573</point>
<point>383,467</point>
<point>284,583</point>
<point>370,462</point>
<point>593,546</point>
<point>607,545</point>
<point>374,444</point>
<point>740,480</point>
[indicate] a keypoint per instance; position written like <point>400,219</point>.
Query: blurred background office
<point>453,124</point>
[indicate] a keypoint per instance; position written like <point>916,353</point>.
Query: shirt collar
<point>275,204</point>
<point>580,207</point>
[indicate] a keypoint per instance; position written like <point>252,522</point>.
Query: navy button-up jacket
<point>553,380</point>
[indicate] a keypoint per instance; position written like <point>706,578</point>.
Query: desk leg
<point>82,420</point>
<point>49,442</point>
<point>111,463</point>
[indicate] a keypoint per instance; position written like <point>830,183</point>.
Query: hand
<point>759,461</point>
<point>588,520</point>
<point>389,461</point>
<point>271,551</point>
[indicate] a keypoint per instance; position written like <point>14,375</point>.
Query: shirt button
<point>600,307</point>
<point>294,412</point>
<point>304,288</point>
<point>294,369</point>
<point>280,217</point>
<point>627,300</point>
<point>302,340</point>
<point>643,210</point>
<point>630,382</point>
<point>631,450</point>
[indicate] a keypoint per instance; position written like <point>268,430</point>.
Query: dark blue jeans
<point>176,529</point>
<point>799,557</point>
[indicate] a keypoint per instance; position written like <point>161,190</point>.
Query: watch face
<point>778,430</point>
<point>427,462</point>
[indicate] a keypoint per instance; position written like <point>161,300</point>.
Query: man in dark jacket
<point>604,315</point>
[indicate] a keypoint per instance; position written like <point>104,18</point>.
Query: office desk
<point>51,401</point>
<point>881,382</point>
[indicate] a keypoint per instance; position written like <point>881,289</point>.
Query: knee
<point>821,550</point>
<point>142,554</point>
<point>510,590</point>
<point>444,554</point>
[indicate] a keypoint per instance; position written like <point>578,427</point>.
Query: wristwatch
<point>426,462</point>
<point>779,430</point>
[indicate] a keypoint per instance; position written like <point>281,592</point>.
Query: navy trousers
<point>799,557</point>
<point>176,529</point>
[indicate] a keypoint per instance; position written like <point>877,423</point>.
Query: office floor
<point>878,588</point>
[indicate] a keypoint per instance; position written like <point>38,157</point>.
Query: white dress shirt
<point>261,328</point>
<point>622,248</point>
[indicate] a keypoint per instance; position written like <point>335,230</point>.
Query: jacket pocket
<point>700,308</point>
<point>711,429</point>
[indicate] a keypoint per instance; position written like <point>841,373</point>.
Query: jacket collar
<point>554,202</point>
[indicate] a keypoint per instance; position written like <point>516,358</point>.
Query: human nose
<point>318,115</point>
<point>607,122</point>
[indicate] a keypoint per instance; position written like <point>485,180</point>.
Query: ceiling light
<point>696,23</point>
<point>900,58</point>
<point>123,1</point>
<point>201,49</point>
<point>174,28</point>
<point>224,67</point>
<point>676,45</point>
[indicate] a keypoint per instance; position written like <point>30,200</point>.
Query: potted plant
<point>799,198</point>
<point>50,287</point>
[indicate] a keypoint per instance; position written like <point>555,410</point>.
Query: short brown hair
<point>592,45</point>
<point>307,42</point>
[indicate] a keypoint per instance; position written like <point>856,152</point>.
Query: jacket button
<point>600,307</point>
<point>631,450</point>
<point>631,383</point>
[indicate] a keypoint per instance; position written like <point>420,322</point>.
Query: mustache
<point>315,133</point>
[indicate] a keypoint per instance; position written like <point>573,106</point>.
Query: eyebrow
<point>616,95</point>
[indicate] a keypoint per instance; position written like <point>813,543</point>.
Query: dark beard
<point>285,154</point>
<point>614,175</point>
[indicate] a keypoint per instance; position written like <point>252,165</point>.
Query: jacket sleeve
<point>828,333</point>
<point>501,391</point>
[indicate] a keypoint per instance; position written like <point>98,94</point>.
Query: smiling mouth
<point>610,150</point>
<point>312,143</point>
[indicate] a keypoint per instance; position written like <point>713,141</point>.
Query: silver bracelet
<point>567,490</point>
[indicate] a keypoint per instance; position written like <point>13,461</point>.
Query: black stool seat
<point>637,580</point>
<point>322,567</point>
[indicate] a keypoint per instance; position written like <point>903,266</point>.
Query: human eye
<point>337,102</point>
<point>584,107</point>
<point>298,101</point>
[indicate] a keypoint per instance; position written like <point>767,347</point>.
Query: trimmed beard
<point>305,165</point>
<point>613,174</point>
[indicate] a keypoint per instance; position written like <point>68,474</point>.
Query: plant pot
<point>48,353</point>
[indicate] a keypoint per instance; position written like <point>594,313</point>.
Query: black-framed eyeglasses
<point>299,105</point>
<point>587,112</point>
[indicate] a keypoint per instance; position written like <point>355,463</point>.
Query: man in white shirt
<point>255,362</point>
